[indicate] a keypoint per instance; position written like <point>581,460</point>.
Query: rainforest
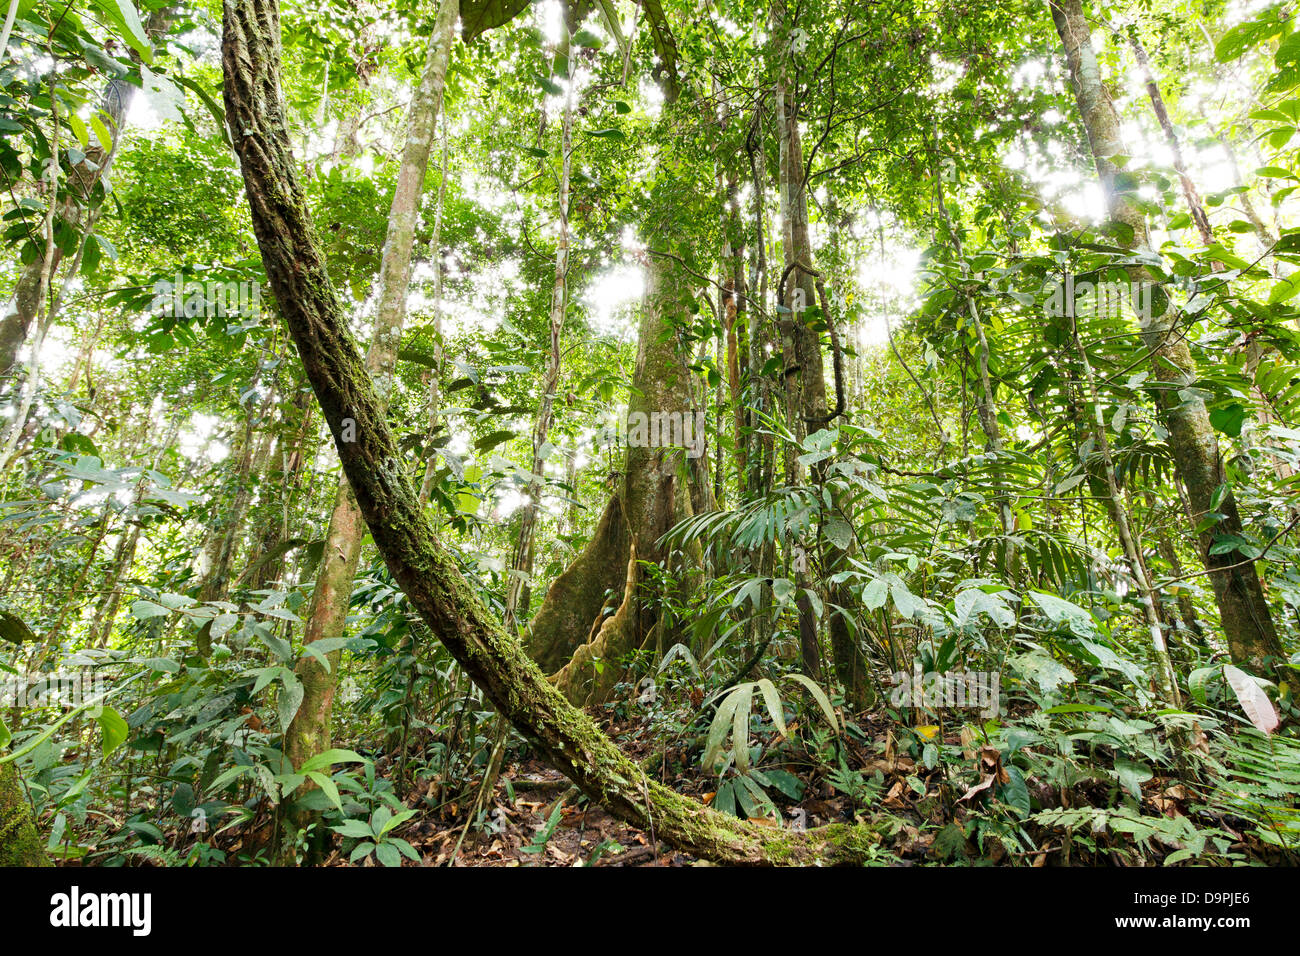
<point>641,433</point>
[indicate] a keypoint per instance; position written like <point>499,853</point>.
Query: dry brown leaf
<point>968,743</point>
<point>1254,702</point>
<point>978,788</point>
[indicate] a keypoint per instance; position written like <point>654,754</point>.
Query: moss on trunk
<point>20,841</point>
<point>577,597</point>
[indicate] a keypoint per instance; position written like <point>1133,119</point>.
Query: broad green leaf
<point>114,729</point>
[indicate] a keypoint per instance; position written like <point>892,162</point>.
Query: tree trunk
<point>1194,206</point>
<point>124,554</point>
<point>29,294</point>
<point>219,550</point>
<point>1243,608</point>
<point>404,534</point>
<point>806,403</point>
<point>20,841</point>
<point>520,583</point>
<point>654,492</point>
<point>309,731</point>
<point>434,404</point>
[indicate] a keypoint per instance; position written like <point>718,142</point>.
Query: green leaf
<point>328,786</point>
<point>289,700</point>
<point>1062,611</point>
<point>1197,681</point>
<point>1015,791</point>
<point>839,533</point>
<point>143,610</point>
<point>354,828</point>
<point>740,726</point>
<point>549,85</point>
<point>1040,667</point>
<point>102,133</point>
<point>718,730</point>
<point>329,758</point>
<point>875,594</point>
<point>819,695</point>
<point>226,778</point>
<point>320,649</point>
<point>786,782</point>
<point>1132,775</point>
<point>490,441</point>
<point>14,630</point>
<point>1229,418</point>
<point>908,604</point>
<point>773,701</point>
<point>396,821</point>
<point>114,728</point>
<point>123,15</point>
<point>479,16</point>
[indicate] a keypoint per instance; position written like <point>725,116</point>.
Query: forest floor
<point>527,793</point>
<point>957,811</point>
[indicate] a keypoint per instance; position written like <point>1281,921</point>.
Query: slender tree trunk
<point>434,404</point>
<point>986,406</point>
<point>1165,547</point>
<point>1244,612</point>
<point>1194,205</point>
<point>1128,541</point>
<point>124,554</point>
<point>309,731</point>
<point>285,476</point>
<point>522,567</point>
<point>795,294</point>
<point>30,293</point>
<point>762,453</point>
<point>219,550</point>
<point>806,401</point>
